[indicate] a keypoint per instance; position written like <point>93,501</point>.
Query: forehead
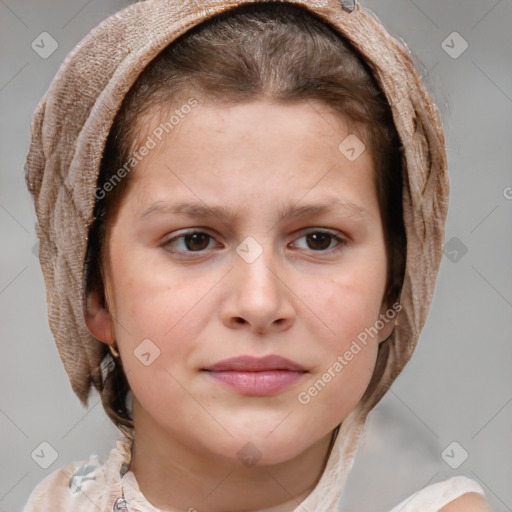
<point>253,150</point>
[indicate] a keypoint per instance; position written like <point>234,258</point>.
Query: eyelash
<point>341,241</point>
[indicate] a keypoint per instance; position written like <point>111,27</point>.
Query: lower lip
<point>262,383</point>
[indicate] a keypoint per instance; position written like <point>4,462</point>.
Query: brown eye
<point>195,241</point>
<point>320,241</point>
<point>199,241</point>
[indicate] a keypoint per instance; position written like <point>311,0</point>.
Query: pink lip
<point>257,383</point>
<point>256,364</point>
<point>257,376</point>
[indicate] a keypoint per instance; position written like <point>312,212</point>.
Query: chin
<point>256,446</point>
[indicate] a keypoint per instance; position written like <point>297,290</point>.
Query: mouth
<point>256,364</point>
<point>254,376</point>
<point>256,383</point>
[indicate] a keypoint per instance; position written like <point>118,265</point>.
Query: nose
<point>259,299</point>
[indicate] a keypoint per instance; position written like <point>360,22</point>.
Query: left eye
<point>321,240</point>
<point>197,241</point>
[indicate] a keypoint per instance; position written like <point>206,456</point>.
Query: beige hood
<point>69,130</point>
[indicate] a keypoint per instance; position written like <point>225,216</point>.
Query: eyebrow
<point>227,214</point>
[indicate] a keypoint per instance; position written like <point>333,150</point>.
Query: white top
<point>436,496</point>
<point>89,486</point>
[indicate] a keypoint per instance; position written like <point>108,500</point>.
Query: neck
<point>175,477</point>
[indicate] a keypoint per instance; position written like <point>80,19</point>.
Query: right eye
<point>192,242</point>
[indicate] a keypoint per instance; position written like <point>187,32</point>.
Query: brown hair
<point>257,51</point>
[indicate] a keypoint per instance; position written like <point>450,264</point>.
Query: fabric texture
<point>68,134</point>
<point>89,486</point>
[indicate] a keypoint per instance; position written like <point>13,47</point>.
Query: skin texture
<point>302,299</point>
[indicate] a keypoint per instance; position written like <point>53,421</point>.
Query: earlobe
<point>386,322</point>
<point>98,318</point>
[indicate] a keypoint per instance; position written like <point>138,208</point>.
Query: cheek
<point>143,287</point>
<point>347,348</point>
<point>348,303</point>
<point>153,321</point>
<point>346,309</point>
<point>151,302</point>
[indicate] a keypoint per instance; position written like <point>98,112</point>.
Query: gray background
<point>457,387</point>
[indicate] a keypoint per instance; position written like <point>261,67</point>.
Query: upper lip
<point>254,364</point>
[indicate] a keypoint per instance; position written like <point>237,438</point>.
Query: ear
<point>387,315</point>
<point>98,318</point>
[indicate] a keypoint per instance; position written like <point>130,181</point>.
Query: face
<point>190,286</point>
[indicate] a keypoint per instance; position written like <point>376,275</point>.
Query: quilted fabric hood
<point>72,121</point>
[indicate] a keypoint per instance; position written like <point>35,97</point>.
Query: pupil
<point>323,236</point>
<point>194,237</point>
